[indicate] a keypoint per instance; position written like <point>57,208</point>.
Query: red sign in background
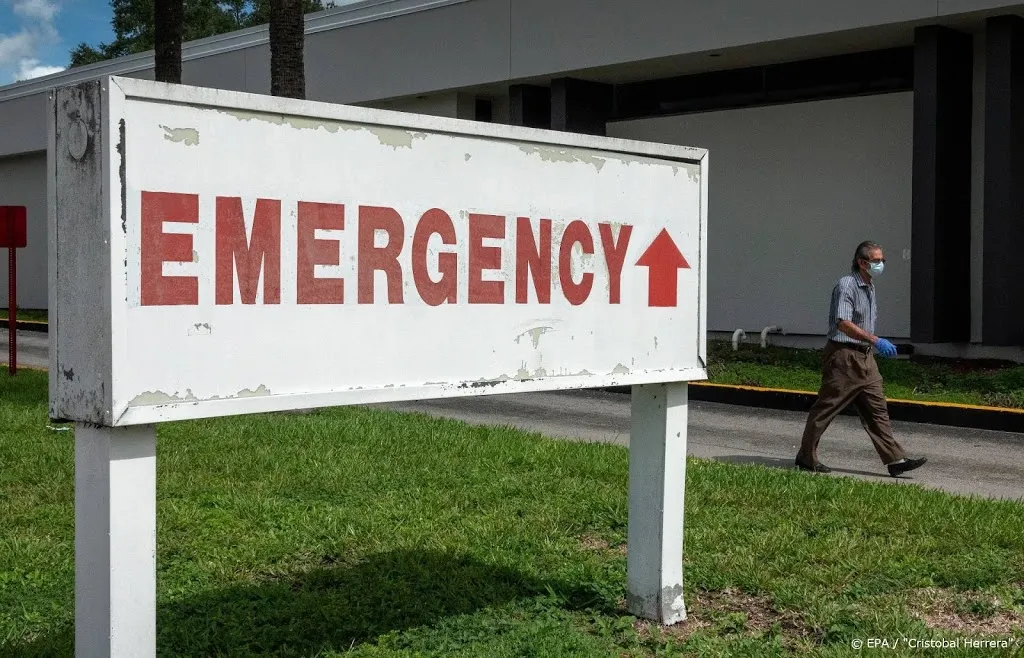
<point>14,236</point>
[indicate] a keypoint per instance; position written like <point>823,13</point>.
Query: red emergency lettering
<point>615,256</point>
<point>235,253</point>
<point>485,258</point>
<point>158,248</point>
<point>576,232</point>
<point>445,289</point>
<point>373,258</point>
<point>313,252</point>
<point>533,258</point>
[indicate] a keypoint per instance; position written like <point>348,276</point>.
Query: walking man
<point>849,371</point>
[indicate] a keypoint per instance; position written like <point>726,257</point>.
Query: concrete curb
<point>932,413</point>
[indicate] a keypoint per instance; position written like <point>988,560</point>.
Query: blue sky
<point>36,35</point>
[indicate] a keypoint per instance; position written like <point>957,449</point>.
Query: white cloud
<point>31,68</point>
<point>43,11</point>
<point>20,51</point>
<point>14,47</point>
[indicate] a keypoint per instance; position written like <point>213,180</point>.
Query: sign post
<point>14,236</point>
<point>115,540</point>
<point>657,479</point>
<point>366,256</point>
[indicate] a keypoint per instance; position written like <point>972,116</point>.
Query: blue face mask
<point>876,268</point>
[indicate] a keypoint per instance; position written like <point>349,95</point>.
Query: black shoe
<point>817,468</point>
<point>906,465</point>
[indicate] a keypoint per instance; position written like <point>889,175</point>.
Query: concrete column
<point>940,308</point>
<point>529,106</point>
<point>1002,310</point>
<point>581,106</point>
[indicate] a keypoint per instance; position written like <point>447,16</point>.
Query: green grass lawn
<point>25,315</point>
<point>999,384</point>
<point>360,532</point>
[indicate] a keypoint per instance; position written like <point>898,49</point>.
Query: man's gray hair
<point>864,250</point>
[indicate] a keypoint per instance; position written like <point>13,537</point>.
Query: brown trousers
<point>850,375</point>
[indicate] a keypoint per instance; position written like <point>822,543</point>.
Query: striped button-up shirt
<point>853,299</point>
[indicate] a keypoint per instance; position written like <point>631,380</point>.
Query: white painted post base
<point>657,483</point>
<point>115,541</point>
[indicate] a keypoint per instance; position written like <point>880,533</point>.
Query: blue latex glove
<point>885,348</point>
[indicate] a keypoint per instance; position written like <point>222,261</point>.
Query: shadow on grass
<point>787,464</point>
<point>334,607</point>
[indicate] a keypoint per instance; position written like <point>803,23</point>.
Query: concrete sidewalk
<point>33,349</point>
<point>978,462</point>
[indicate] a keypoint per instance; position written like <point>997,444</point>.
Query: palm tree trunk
<point>168,23</point>
<point>287,42</point>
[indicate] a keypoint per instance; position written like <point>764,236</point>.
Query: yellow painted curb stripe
<point>759,389</point>
<point>925,403</point>
<point>5,366</point>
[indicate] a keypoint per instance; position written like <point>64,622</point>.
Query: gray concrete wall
<point>793,190</point>
<point>227,71</point>
<point>23,124</point>
<point>441,105</point>
<point>416,47</point>
<point>573,34</point>
<point>443,49</point>
<point>434,52</point>
<point>23,183</point>
<point>949,7</point>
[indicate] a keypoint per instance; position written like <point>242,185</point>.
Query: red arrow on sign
<point>664,261</point>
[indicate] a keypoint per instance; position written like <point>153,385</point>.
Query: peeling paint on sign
<point>122,149</point>
<point>159,397</point>
<point>523,375</point>
<point>294,122</point>
<point>186,136</point>
<point>259,392</point>
<point>620,370</point>
<point>395,137</point>
<point>551,154</point>
<point>535,335</point>
<point>692,173</point>
<point>480,383</point>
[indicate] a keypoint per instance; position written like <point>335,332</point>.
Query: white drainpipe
<point>764,335</point>
<point>737,336</point>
